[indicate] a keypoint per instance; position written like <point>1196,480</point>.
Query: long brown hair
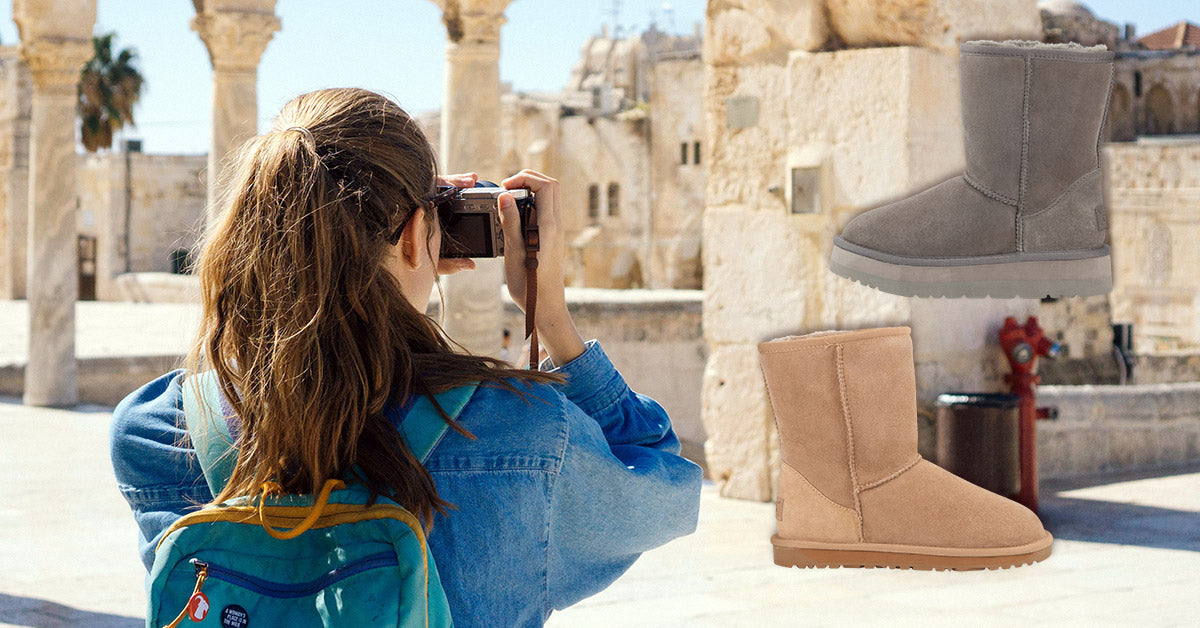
<point>308,332</point>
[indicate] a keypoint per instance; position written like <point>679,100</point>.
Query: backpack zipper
<point>201,576</point>
<point>285,591</point>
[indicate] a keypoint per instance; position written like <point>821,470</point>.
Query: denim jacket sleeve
<point>622,489</point>
<point>160,479</point>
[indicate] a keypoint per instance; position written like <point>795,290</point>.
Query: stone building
<point>165,203</point>
<point>1067,21</point>
<point>1154,187</point>
<point>158,198</point>
<point>623,137</point>
<point>1152,166</point>
<point>1156,83</point>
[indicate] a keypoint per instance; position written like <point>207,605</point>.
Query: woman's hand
<point>556,330</point>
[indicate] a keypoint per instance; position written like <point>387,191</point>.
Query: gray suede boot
<point>1027,218</point>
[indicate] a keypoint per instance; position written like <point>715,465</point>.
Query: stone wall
<point>1168,367</point>
<point>156,287</point>
<point>653,338</point>
<point>1155,93</point>
<point>677,180</point>
<point>166,212</point>
<point>1082,325</point>
<point>1111,428</point>
<point>605,251</point>
<point>1153,190</point>
<point>940,24</point>
<point>1154,193</point>
<point>102,381</point>
<point>167,204</point>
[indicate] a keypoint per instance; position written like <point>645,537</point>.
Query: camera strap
<point>531,263</point>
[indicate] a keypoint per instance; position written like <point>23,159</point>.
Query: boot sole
<point>1025,275</point>
<point>870,555</point>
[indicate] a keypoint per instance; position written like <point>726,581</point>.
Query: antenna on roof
<point>614,17</point>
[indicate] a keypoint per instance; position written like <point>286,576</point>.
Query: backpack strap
<point>423,428</point>
<point>204,409</point>
<point>206,412</point>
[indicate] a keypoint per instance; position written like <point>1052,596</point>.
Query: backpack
<point>341,563</point>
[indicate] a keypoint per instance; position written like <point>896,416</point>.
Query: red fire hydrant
<point>1022,345</point>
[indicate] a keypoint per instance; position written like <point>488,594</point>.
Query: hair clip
<point>308,134</point>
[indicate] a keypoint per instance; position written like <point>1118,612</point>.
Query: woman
<point>314,281</point>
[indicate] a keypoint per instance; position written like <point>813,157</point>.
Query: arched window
<point>1120,115</point>
<point>1160,111</point>
<point>1198,112</point>
<point>614,198</point>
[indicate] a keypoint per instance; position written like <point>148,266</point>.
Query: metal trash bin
<point>978,439</point>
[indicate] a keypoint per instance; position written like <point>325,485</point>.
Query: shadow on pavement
<point>28,611</point>
<point>1100,521</point>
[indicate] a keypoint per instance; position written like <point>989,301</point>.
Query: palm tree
<point>108,89</point>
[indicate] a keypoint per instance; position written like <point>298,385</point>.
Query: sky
<point>396,47</point>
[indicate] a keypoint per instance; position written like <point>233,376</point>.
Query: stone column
<point>236,34</point>
<point>470,142</point>
<point>56,40</point>
<point>16,92</point>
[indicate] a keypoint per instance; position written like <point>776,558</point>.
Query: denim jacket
<point>554,500</point>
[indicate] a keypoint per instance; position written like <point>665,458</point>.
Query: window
<point>614,198</point>
<point>695,152</point>
<point>593,202</point>
<point>806,190</point>
<point>683,153</point>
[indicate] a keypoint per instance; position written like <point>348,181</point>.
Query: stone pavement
<point>1127,553</point>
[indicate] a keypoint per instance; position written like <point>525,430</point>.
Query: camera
<point>470,218</point>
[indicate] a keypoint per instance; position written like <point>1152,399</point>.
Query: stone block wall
<point>102,381</point>
<point>654,339</point>
<point>941,24</point>
<point>166,212</point>
<point>1154,188</point>
<point>1168,367</point>
<point>1111,428</point>
<point>677,196</point>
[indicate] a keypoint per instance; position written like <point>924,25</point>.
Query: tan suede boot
<point>853,491</point>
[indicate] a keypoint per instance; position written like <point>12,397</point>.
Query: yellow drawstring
<point>322,499</point>
<point>201,576</point>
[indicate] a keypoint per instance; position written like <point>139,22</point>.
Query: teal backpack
<point>339,562</point>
